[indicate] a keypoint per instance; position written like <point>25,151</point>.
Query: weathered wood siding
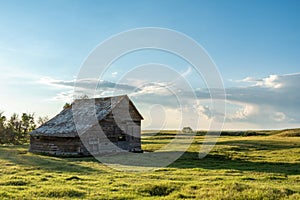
<point>122,127</point>
<point>57,145</point>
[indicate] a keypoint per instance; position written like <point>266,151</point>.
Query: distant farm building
<point>187,130</point>
<point>116,117</point>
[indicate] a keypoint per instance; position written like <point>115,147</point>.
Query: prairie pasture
<point>242,165</point>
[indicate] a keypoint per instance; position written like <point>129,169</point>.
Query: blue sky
<point>44,43</point>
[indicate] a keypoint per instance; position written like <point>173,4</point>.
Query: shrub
<point>158,190</point>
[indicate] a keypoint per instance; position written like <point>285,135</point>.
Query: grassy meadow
<point>242,165</point>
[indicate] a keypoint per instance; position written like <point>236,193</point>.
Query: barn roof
<point>62,125</point>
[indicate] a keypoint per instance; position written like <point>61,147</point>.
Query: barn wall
<point>130,119</point>
<point>57,145</point>
<point>124,119</point>
<point>122,128</point>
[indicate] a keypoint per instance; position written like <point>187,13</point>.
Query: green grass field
<point>256,165</point>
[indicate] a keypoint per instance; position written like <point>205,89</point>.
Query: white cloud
<point>249,79</point>
<point>162,89</point>
<point>243,113</point>
<point>187,72</point>
<point>272,81</point>
<point>206,111</point>
<point>114,74</point>
<point>66,96</point>
<point>274,99</point>
<point>279,116</point>
<point>56,83</point>
<point>91,87</point>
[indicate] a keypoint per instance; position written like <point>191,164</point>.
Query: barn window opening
<point>37,137</point>
<point>122,137</point>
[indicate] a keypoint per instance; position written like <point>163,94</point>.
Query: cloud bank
<point>266,102</point>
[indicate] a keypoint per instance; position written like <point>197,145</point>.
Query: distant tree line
<point>14,130</point>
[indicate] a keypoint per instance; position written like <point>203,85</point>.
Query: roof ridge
<point>96,98</point>
<point>121,98</point>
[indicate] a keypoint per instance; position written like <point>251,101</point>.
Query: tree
<point>14,123</point>
<point>27,123</point>
<point>16,129</point>
<point>42,120</point>
<point>67,105</point>
<point>83,96</point>
<point>2,120</point>
<point>2,128</point>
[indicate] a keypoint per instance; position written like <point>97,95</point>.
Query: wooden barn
<point>118,118</point>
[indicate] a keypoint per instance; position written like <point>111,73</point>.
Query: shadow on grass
<point>18,155</point>
<point>217,162</point>
<point>259,144</point>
